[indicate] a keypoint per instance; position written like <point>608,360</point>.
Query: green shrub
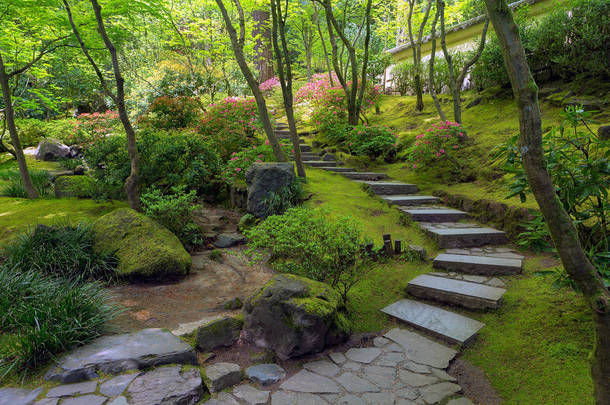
<point>172,112</point>
<point>167,159</point>
<point>42,316</point>
<point>235,169</point>
<point>75,186</point>
<point>31,131</point>
<point>277,202</point>
<point>15,188</point>
<point>372,141</point>
<point>309,243</point>
<point>403,77</point>
<point>175,212</point>
<point>61,250</point>
<point>439,145</point>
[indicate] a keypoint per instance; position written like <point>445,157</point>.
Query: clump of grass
<point>60,250</point>
<point>41,316</point>
<point>15,188</point>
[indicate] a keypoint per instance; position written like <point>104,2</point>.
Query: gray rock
<point>304,398</point>
<point>225,240</point>
<point>460,401</point>
<point>294,316</point>
<point>496,282</point>
<point>265,374</point>
<point>118,353</point>
<point>363,355</point>
<point>13,396</point>
<point>433,394</point>
<point>350,399</point>
<point>323,367</point>
<point>221,332</point>
<point>379,398</point>
<point>603,132</point>
<point>166,385</point>
<point>117,385</point>
<point>390,359</point>
<point>381,376</point>
<point>407,393</point>
<point>305,381</point>
<point>442,374</point>
<point>283,398</point>
<point>224,398</point>
<point>394,348</point>
<point>422,350</point>
<point>85,400</point>
<point>72,389</point>
<point>380,341</point>
<point>222,375</point>
<point>416,380</point>
<point>338,358</point>
<point>352,366</point>
<point>354,384</point>
<point>417,368</point>
<point>118,401</point>
<point>264,178</point>
<point>420,251</point>
<point>51,149</point>
<point>251,395</point>
<point>55,401</point>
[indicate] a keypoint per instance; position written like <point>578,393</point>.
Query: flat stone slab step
<point>457,235</point>
<point>435,214</point>
<point>391,188</point>
<point>338,169</point>
<point>320,163</point>
<point>483,265</point>
<point>411,199</point>
<point>365,176</point>
<point>305,148</point>
<point>456,292</point>
<point>440,323</point>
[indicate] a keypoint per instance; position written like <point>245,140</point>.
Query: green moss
<point>144,248</point>
<point>74,186</point>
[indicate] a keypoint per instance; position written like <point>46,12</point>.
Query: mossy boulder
<point>74,186</point>
<point>145,249</point>
<point>218,333</point>
<point>294,316</point>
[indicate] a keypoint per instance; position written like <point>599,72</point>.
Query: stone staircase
<point>468,269</point>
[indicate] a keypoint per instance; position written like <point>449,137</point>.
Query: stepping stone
<point>9,396</point>
<point>388,188</point>
<point>467,237</point>
<point>380,375</point>
<point>363,355</point>
<point>434,394</point>
<point>365,176</point>
<point>350,399</point>
<point>305,148</point>
<point>338,358</point>
<point>354,384</point>
<point>460,401</point>
<point>90,400</point>
<point>265,374</point>
<point>222,375</point>
<point>69,390</point>
<point>435,214</point>
<point>251,395</point>
<point>411,199</point>
<point>381,398</point>
<point>323,367</point>
<point>440,323</point>
<point>115,354</point>
<point>390,359</point>
<point>116,385</point>
<point>486,265</point>
<point>456,292</point>
<point>380,341</point>
<point>305,381</point>
<point>420,349</point>
<point>416,380</point>
<point>166,385</point>
<point>338,169</point>
<point>319,163</point>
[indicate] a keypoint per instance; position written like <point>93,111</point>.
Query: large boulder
<point>74,186</point>
<point>221,332</point>
<point>51,149</point>
<point>145,249</point>
<point>264,178</point>
<point>294,316</point>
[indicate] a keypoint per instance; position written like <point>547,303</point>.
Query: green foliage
<point>403,74</point>
<point>167,159</point>
<point>15,187</point>
<point>172,113</point>
<point>276,203</point>
<point>175,212</point>
<point>42,316</point>
<point>372,141</point>
<point>31,131</point>
<point>438,145</point>
<point>60,250</point>
<point>235,169</point>
<point>535,237</point>
<point>93,127</point>
<point>307,242</point>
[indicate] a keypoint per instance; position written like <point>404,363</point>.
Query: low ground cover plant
<point>14,184</point>
<point>372,141</point>
<point>437,145</point>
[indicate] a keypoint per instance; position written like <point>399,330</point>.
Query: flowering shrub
<point>236,167</point>
<point>92,127</point>
<point>230,125</point>
<point>438,143</point>
<point>268,86</point>
<point>372,141</point>
<point>172,112</point>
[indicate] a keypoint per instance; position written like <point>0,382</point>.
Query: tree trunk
<point>416,49</point>
<point>561,226</point>
<point>263,54</point>
<point>238,50</point>
<point>9,115</point>
<point>326,59</point>
<point>131,184</point>
<point>282,57</point>
<point>437,104</point>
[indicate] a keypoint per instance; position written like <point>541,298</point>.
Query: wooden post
<point>397,247</point>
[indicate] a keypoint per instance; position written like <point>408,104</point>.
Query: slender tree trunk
<point>263,58</point>
<point>9,115</point>
<point>561,226</point>
<point>282,57</point>
<point>416,49</point>
<point>326,59</point>
<point>131,184</point>
<point>238,50</point>
<point>437,104</point>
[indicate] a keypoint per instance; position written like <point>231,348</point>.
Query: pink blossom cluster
<point>90,127</point>
<point>437,142</point>
<point>269,85</point>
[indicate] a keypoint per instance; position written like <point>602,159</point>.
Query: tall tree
<point>431,82</point>
<point>416,49</point>
<point>263,54</point>
<point>284,69</point>
<point>131,183</point>
<point>238,50</point>
<point>562,229</point>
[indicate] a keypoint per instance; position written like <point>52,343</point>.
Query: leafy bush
<point>172,112</point>
<point>230,125</point>
<point>307,242</point>
<point>276,203</point>
<point>52,315</point>
<point>235,169</point>
<point>61,250</point>
<point>167,159</point>
<point>31,131</point>
<point>403,75</point>
<point>268,86</point>
<point>438,144</point>
<point>372,141</point>
<point>175,212</point>
<point>93,127</point>
<point>15,188</point>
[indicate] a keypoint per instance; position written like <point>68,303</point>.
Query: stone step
<point>285,133</point>
<point>456,292</point>
<point>305,148</point>
<point>319,163</point>
<point>309,156</point>
<point>390,188</point>
<point>435,214</point>
<point>338,169</point>
<point>483,265</point>
<point>365,176</point>
<point>465,236</point>
<point>411,199</point>
<point>440,323</point>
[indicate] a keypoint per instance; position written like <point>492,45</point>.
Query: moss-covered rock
<point>221,332</point>
<point>294,316</point>
<point>74,186</point>
<point>145,249</point>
